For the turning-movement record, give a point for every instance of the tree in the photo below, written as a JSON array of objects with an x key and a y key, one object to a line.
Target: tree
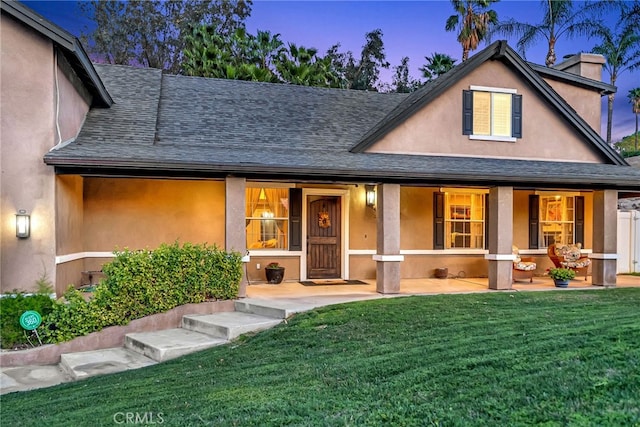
[
  {"x": 301, "y": 66},
  {"x": 243, "y": 56},
  {"x": 621, "y": 49},
  {"x": 151, "y": 33},
  {"x": 634, "y": 99},
  {"x": 437, "y": 64},
  {"x": 363, "y": 74},
  {"x": 237, "y": 56},
  {"x": 472, "y": 22},
  {"x": 401, "y": 81},
  {"x": 560, "y": 19}
]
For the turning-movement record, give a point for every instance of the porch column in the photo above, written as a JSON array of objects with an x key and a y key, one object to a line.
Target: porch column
[
  {"x": 500, "y": 237},
  {"x": 388, "y": 256},
  {"x": 234, "y": 235},
  {"x": 605, "y": 235}
]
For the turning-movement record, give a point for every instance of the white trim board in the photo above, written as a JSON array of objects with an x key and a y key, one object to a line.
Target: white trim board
[{"x": 61, "y": 259}]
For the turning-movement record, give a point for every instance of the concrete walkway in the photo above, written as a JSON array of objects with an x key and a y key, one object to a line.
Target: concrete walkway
[{"x": 266, "y": 306}]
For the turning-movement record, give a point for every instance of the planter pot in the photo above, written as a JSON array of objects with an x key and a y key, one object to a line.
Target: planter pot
[
  {"x": 442, "y": 273},
  {"x": 561, "y": 283},
  {"x": 274, "y": 275}
]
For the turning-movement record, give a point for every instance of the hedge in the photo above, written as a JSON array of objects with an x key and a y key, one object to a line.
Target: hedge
[{"x": 144, "y": 282}]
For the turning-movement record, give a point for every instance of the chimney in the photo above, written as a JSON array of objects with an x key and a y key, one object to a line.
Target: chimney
[{"x": 587, "y": 65}]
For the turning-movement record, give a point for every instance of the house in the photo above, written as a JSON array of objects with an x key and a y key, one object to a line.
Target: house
[{"x": 330, "y": 183}]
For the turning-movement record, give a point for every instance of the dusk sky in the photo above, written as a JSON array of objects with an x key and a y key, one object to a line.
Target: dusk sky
[{"x": 410, "y": 28}]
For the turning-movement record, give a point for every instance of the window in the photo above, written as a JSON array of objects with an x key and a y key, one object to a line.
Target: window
[
  {"x": 267, "y": 218},
  {"x": 557, "y": 219},
  {"x": 464, "y": 220},
  {"x": 492, "y": 113}
]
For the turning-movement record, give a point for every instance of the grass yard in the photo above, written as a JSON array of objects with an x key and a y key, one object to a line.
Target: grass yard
[{"x": 527, "y": 358}]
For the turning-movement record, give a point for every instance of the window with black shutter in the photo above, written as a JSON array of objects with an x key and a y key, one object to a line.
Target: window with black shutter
[{"x": 491, "y": 113}]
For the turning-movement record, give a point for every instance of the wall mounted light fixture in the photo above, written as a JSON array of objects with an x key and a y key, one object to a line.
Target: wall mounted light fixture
[
  {"x": 370, "y": 194},
  {"x": 23, "y": 224}
]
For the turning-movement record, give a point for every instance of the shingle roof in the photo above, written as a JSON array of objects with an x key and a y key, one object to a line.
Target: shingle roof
[{"x": 164, "y": 125}]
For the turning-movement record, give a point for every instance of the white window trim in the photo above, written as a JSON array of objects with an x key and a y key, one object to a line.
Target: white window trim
[
  {"x": 492, "y": 89},
  {"x": 470, "y": 191},
  {"x": 493, "y": 138}
]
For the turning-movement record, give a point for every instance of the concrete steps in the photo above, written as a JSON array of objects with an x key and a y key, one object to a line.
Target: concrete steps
[
  {"x": 198, "y": 332},
  {"x": 170, "y": 343},
  {"x": 98, "y": 362},
  {"x": 228, "y": 325}
]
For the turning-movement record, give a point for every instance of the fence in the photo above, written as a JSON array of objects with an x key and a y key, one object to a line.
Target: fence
[{"x": 628, "y": 241}]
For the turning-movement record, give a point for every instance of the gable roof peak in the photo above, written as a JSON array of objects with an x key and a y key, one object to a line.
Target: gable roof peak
[{"x": 498, "y": 50}]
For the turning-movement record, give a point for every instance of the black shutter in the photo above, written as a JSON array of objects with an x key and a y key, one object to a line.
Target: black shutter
[
  {"x": 486, "y": 221},
  {"x": 579, "y": 223},
  {"x": 295, "y": 219},
  {"x": 467, "y": 112},
  {"x": 534, "y": 220},
  {"x": 516, "y": 116},
  {"x": 438, "y": 220}
]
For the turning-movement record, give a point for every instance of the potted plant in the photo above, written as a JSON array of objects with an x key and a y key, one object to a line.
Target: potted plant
[
  {"x": 561, "y": 276},
  {"x": 274, "y": 273}
]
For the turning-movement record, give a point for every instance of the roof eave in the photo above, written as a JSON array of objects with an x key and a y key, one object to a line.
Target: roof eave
[
  {"x": 134, "y": 167},
  {"x": 574, "y": 79}
]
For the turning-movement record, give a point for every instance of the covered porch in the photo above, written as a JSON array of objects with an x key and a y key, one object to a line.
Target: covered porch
[{"x": 332, "y": 293}]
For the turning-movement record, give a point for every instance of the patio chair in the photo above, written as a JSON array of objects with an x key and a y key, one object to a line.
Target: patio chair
[
  {"x": 523, "y": 268},
  {"x": 569, "y": 256}
]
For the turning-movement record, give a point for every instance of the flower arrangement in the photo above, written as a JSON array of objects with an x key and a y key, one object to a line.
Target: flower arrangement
[
  {"x": 273, "y": 265},
  {"x": 562, "y": 273}
]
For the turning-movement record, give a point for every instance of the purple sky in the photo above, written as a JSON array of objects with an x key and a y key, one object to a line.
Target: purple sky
[{"x": 411, "y": 28}]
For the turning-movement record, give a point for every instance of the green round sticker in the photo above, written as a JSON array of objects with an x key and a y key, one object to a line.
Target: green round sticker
[{"x": 30, "y": 320}]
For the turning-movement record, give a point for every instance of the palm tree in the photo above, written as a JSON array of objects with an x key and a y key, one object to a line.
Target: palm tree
[
  {"x": 472, "y": 21},
  {"x": 621, "y": 49},
  {"x": 301, "y": 66},
  {"x": 634, "y": 98},
  {"x": 437, "y": 64},
  {"x": 561, "y": 18}
]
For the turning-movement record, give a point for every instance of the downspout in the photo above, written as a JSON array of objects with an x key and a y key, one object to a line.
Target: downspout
[{"x": 55, "y": 73}]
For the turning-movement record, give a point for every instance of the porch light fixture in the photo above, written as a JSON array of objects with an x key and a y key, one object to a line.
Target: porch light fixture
[
  {"x": 370, "y": 194},
  {"x": 23, "y": 224}
]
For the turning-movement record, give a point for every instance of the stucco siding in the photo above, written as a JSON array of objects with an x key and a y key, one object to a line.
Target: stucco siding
[
  {"x": 144, "y": 213},
  {"x": 69, "y": 214},
  {"x": 362, "y": 221},
  {"x": 416, "y": 218},
  {"x": 585, "y": 102},
  {"x": 71, "y": 104},
  {"x": 27, "y": 133},
  {"x": 437, "y": 128},
  {"x": 68, "y": 274}
]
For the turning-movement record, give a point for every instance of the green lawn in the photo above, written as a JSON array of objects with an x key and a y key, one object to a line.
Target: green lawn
[{"x": 543, "y": 358}]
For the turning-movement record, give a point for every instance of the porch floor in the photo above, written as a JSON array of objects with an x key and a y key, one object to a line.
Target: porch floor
[{"x": 427, "y": 286}]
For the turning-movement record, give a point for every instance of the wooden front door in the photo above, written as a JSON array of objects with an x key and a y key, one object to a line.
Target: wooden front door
[{"x": 323, "y": 237}]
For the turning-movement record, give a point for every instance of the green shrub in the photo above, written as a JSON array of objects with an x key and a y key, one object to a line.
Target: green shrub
[
  {"x": 144, "y": 282},
  {"x": 11, "y": 308},
  {"x": 630, "y": 153}
]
